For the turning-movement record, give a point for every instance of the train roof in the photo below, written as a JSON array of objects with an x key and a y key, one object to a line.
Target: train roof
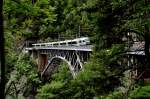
[
  {"x": 76, "y": 39},
  {"x": 81, "y": 38}
]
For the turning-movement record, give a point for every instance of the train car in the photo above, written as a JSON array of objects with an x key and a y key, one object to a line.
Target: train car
[
  {"x": 82, "y": 41},
  {"x": 75, "y": 42}
]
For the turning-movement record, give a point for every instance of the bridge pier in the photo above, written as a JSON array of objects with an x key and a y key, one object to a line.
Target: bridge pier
[
  {"x": 42, "y": 61},
  {"x": 34, "y": 54}
]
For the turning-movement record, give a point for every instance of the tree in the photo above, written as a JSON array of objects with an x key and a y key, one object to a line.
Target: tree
[
  {"x": 58, "y": 85},
  {"x": 27, "y": 19},
  {"x": 111, "y": 21},
  {"x": 2, "y": 53}
]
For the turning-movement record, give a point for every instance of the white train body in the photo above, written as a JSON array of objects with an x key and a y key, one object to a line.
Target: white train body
[{"x": 75, "y": 42}]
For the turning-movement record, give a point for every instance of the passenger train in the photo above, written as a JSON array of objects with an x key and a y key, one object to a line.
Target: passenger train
[{"x": 75, "y": 42}]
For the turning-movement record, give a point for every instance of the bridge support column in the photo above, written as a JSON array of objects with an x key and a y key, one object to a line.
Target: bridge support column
[
  {"x": 42, "y": 61},
  {"x": 34, "y": 54}
]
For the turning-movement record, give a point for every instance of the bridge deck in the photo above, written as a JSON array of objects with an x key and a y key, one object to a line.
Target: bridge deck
[
  {"x": 75, "y": 48},
  {"x": 137, "y": 48}
]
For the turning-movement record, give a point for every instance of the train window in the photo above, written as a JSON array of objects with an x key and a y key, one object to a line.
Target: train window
[
  {"x": 62, "y": 43},
  {"x": 69, "y": 42},
  {"x": 73, "y": 42},
  {"x": 55, "y": 44}
]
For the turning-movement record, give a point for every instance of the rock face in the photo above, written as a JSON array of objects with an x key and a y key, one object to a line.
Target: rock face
[{"x": 15, "y": 86}]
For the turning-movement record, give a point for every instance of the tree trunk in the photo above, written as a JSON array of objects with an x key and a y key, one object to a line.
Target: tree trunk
[
  {"x": 2, "y": 54},
  {"x": 147, "y": 44}
]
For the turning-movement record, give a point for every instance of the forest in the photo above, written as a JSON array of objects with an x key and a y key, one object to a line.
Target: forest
[{"x": 112, "y": 26}]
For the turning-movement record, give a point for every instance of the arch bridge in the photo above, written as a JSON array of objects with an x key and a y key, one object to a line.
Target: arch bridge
[{"x": 49, "y": 58}]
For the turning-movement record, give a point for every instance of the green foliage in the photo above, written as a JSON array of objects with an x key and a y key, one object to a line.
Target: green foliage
[
  {"x": 27, "y": 19},
  {"x": 114, "y": 95},
  {"x": 108, "y": 22},
  {"x": 142, "y": 92},
  {"x": 24, "y": 75},
  {"x": 58, "y": 87},
  {"x": 98, "y": 78},
  {"x": 63, "y": 74},
  {"x": 50, "y": 91},
  {"x": 25, "y": 67}
]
